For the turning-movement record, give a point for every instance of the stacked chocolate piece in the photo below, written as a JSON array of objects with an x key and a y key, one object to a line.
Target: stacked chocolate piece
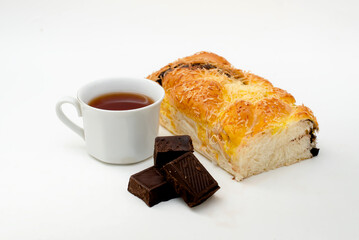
[{"x": 176, "y": 172}]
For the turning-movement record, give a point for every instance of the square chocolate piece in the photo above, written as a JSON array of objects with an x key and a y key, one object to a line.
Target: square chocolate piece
[
  {"x": 190, "y": 179},
  {"x": 151, "y": 186},
  {"x": 169, "y": 148}
]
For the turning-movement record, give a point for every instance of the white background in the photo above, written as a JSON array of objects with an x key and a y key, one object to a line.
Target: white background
[{"x": 51, "y": 189}]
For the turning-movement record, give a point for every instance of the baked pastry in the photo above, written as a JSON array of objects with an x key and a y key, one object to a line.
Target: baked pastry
[{"x": 237, "y": 119}]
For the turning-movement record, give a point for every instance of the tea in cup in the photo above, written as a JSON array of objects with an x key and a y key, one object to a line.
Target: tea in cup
[{"x": 120, "y": 118}]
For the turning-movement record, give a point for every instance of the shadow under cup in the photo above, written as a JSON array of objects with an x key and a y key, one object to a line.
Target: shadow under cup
[{"x": 121, "y": 136}]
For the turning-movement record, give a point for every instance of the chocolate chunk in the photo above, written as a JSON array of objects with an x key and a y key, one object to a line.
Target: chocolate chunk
[
  {"x": 190, "y": 179},
  {"x": 314, "y": 151},
  {"x": 171, "y": 147},
  {"x": 150, "y": 186}
]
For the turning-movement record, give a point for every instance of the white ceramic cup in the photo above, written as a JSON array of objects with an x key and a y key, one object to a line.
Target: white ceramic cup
[{"x": 118, "y": 137}]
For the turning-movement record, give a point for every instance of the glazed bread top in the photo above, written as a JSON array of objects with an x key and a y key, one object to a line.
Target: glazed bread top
[{"x": 206, "y": 88}]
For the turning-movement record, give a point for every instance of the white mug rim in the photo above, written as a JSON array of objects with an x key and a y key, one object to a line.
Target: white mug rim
[{"x": 155, "y": 103}]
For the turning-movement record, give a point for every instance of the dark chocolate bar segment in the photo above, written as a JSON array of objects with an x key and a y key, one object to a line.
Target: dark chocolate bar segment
[
  {"x": 190, "y": 179},
  {"x": 169, "y": 148},
  {"x": 150, "y": 186}
]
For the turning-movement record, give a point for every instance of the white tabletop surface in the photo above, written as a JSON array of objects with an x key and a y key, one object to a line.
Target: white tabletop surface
[{"x": 50, "y": 188}]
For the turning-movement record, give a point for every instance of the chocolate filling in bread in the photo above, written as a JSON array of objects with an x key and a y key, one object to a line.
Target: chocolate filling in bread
[
  {"x": 314, "y": 151},
  {"x": 193, "y": 66}
]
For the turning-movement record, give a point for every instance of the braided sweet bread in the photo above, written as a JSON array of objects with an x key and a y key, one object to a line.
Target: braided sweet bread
[{"x": 235, "y": 118}]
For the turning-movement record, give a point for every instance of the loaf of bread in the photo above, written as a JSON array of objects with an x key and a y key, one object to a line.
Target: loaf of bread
[{"x": 238, "y": 120}]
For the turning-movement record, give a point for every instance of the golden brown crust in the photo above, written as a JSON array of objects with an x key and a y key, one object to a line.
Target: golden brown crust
[
  {"x": 253, "y": 79},
  {"x": 201, "y": 99},
  {"x": 270, "y": 112},
  {"x": 204, "y": 91},
  {"x": 236, "y": 120},
  {"x": 302, "y": 112},
  {"x": 282, "y": 95},
  {"x": 205, "y": 57}
]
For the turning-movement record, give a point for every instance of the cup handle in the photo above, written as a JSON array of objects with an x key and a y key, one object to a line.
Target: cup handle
[{"x": 65, "y": 119}]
